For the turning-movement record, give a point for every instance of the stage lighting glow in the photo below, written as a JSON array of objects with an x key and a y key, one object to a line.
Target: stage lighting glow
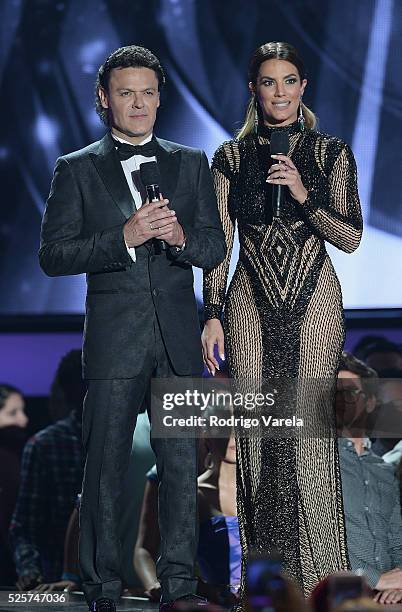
[
  {"x": 46, "y": 130},
  {"x": 92, "y": 51}
]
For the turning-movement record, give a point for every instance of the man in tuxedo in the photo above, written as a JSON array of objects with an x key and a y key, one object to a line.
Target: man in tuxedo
[{"x": 141, "y": 315}]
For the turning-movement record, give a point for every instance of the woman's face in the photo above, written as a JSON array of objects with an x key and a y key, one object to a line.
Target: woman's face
[
  {"x": 278, "y": 90},
  {"x": 12, "y": 413}
]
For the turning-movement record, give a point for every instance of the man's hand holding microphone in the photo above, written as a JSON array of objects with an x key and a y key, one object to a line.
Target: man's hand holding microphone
[{"x": 153, "y": 220}]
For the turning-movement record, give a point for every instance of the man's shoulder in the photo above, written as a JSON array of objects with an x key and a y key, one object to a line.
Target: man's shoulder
[
  {"x": 92, "y": 149},
  {"x": 171, "y": 147},
  {"x": 52, "y": 434}
]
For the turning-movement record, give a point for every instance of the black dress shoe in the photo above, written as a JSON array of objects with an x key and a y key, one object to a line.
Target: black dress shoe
[
  {"x": 103, "y": 604},
  {"x": 192, "y": 601}
]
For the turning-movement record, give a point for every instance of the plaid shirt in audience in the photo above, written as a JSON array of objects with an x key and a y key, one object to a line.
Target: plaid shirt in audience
[
  {"x": 51, "y": 476},
  {"x": 372, "y": 511}
]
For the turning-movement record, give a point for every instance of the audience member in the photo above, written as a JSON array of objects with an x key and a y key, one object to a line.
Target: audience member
[
  {"x": 141, "y": 455},
  {"x": 290, "y": 600},
  {"x": 379, "y": 353},
  {"x": 51, "y": 477},
  {"x": 362, "y": 604},
  {"x": 13, "y": 422},
  {"x": 370, "y": 495},
  {"x": 356, "y": 408},
  {"x": 388, "y": 425},
  {"x": 339, "y": 589}
]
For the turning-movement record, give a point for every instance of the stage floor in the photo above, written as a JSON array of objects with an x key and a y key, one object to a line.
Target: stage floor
[{"x": 75, "y": 602}]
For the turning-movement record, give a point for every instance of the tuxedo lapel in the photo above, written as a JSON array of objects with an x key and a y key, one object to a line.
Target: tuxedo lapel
[
  {"x": 109, "y": 168},
  {"x": 168, "y": 159}
]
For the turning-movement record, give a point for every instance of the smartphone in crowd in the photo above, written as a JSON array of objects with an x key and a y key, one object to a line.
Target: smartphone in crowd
[
  {"x": 265, "y": 585},
  {"x": 343, "y": 587}
]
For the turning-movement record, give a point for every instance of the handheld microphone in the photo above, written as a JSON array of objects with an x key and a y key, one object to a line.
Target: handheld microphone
[
  {"x": 150, "y": 178},
  {"x": 279, "y": 145}
]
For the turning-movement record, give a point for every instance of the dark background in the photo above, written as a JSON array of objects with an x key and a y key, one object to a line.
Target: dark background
[{"x": 49, "y": 55}]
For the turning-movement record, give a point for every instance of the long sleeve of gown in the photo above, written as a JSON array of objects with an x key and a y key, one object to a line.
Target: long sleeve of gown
[
  {"x": 215, "y": 279},
  {"x": 332, "y": 206}
]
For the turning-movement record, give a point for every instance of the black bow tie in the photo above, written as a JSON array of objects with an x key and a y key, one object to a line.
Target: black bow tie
[{"x": 125, "y": 150}]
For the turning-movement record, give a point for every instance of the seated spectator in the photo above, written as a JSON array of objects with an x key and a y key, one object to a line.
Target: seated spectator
[
  {"x": 370, "y": 496},
  {"x": 274, "y": 593},
  {"x": 363, "y": 604},
  {"x": 338, "y": 590},
  {"x": 51, "y": 477},
  {"x": 388, "y": 425},
  {"x": 379, "y": 353},
  {"x": 219, "y": 553},
  {"x": 356, "y": 409},
  {"x": 13, "y": 422},
  {"x": 219, "y": 550},
  {"x": 141, "y": 455},
  {"x": 70, "y": 579}
]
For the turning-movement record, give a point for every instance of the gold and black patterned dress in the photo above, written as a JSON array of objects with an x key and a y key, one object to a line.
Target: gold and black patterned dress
[{"x": 283, "y": 317}]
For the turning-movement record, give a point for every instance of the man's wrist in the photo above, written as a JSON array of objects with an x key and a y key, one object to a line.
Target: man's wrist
[{"x": 182, "y": 245}]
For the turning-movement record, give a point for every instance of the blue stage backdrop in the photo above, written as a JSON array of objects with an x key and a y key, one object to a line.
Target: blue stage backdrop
[{"x": 49, "y": 54}]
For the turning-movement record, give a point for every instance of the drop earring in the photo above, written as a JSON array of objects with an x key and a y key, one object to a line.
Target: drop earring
[
  {"x": 256, "y": 119},
  {"x": 209, "y": 463},
  {"x": 300, "y": 118}
]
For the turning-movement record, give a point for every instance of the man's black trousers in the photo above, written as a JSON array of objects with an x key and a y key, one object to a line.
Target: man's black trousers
[{"x": 110, "y": 413}]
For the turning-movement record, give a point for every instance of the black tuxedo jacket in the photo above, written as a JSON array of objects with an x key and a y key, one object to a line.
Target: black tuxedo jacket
[{"x": 82, "y": 232}]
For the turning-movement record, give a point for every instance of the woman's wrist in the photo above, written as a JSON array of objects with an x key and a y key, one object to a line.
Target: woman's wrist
[{"x": 302, "y": 196}]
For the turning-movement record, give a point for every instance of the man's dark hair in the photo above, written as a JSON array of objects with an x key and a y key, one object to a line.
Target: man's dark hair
[
  {"x": 390, "y": 373},
  {"x": 368, "y": 376},
  {"x": 68, "y": 387},
  {"x": 125, "y": 57},
  {"x": 375, "y": 344}
]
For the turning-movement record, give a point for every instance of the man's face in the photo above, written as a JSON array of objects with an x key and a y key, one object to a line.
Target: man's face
[
  {"x": 132, "y": 100},
  {"x": 350, "y": 404}
]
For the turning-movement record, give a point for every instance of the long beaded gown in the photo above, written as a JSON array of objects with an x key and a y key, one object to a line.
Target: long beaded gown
[{"x": 283, "y": 317}]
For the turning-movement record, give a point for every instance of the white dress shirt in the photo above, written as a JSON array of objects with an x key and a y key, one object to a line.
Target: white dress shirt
[{"x": 131, "y": 168}]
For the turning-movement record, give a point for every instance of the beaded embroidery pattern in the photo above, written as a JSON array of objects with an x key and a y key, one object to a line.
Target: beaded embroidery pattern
[{"x": 283, "y": 317}]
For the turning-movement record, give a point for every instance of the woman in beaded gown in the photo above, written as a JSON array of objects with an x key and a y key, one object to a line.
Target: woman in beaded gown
[{"x": 283, "y": 313}]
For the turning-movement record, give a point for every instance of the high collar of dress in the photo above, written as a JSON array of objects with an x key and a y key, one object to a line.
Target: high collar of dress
[{"x": 265, "y": 131}]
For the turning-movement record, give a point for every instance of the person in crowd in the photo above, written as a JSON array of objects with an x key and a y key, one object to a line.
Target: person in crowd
[
  {"x": 51, "y": 476},
  {"x": 141, "y": 316},
  {"x": 361, "y": 604},
  {"x": 70, "y": 579},
  {"x": 282, "y": 595},
  {"x": 356, "y": 412},
  {"x": 370, "y": 493},
  {"x": 379, "y": 353},
  {"x": 342, "y": 591},
  {"x": 388, "y": 425},
  {"x": 283, "y": 310},
  {"x": 13, "y": 423},
  {"x": 141, "y": 455},
  {"x": 219, "y": 552}
]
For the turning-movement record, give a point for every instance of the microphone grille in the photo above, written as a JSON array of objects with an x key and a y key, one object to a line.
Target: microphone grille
[
  {"x": 279, "y": 142},
  {"x": 149, "y": 173}
]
